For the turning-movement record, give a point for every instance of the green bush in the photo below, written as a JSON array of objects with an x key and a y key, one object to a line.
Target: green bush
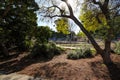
[
  {"x": 46, "y": 50},
  {"x": 80, "y": 53},
  {"x": 117, "y": 48},
  {"x": 73, "y": 55},
  {"x": 42, "y": 34},
  {"x": 88, "y": 53}
]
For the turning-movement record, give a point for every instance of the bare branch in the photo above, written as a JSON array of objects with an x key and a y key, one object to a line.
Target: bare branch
[
  {"x": 55, "y": 6},
  {"x": 66, "y": 16},
  {"x": 98, "y": 3},
  {"x": 69, "y": 7},
  {"x": 106, "y": 2},
  {"x": 117, "y": 6},
  {"x": 117, "y": 14},
  {"x": 95, "y": 2}
]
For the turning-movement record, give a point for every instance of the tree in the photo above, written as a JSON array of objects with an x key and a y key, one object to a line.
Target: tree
[
  {"x": 92, "y": 21},
  {"x": 43, "y": 33},
  {"x": 103, "y": 5},
  {"x": 105, "y": 13},
  {"x": 62, "y": 26},
  {"x": 95, "y": 22},
  {"x": 18, "y": 22}
]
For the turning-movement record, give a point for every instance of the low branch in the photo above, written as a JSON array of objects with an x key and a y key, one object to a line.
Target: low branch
[
  {"x": 106, "y": 2},
  {"x": 66, "y": 16},
  {"x": 95, "y": 2},
  {"x": 55, "y": 6},
  {"x": 117, "y": 14},
  {"x": 117, "y": 6},
  {"x": 69, "y": 7},
  {"x": 98, "y": 3}
]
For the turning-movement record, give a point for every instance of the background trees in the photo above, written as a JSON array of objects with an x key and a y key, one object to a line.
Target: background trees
[{"x": 62, "y": 25}]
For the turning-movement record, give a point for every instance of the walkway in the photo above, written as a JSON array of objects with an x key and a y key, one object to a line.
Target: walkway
[{"x": 15, "y": 76}]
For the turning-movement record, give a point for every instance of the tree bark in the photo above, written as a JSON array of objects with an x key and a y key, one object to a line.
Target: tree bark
[{"x": 107, "y": 51}]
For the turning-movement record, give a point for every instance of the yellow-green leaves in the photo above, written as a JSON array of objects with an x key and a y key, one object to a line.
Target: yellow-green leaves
[
  {"x": 62, "y": 26},
  {"x": 92, "y": 21}
]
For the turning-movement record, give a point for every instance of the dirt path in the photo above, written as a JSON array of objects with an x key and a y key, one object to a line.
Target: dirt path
[
  {"x": 61, "y": 68},
  {"x": 14, "y": 76}
]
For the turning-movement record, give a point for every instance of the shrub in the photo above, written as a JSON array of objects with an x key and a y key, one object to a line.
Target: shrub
[
  {"x": 117, "y": 48},
  {"x": 46, "y": 50},
  {"x": 73, "y": 55},
  {"x": 80, "y": 53},
  {"x": 39, "y": 34},
  {"x": 88, "y": 53}
]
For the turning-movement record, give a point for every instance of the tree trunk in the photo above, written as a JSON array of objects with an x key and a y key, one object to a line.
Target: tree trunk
[
  {"x": 4, "y": 50},
  {"x": 105, "y": 54},
  {"x": 95, "y": 45},
  {"x": 107, "y": 51}
]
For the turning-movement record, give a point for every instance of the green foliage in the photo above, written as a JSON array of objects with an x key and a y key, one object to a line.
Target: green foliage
[
  {"x": 43, "y": 33},
  {"x": 81, "y": 34},
  {"x": 116, "y": 26},
  {"x": 91, "y": 21},
  {"x": 80, "y": 53},
  {"x": 117, "y": 49},
  {"x": 96, "y": 22},
  {"x": 73, "y": 56},
  {"x": 62, "y": 26},
  {"x": 46, "y": 50},
  {"x": 17, "y": 21}
]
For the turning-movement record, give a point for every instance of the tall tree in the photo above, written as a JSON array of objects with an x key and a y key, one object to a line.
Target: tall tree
[
  {"x": 42, "y": 34},
  {"x": 62, "y": 25},
  {"x": 18, "y": 20},
  {"x": 103, "y": 5}
]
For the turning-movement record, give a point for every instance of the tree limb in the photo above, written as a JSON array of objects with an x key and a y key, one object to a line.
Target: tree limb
[
  {"x": 106, "y": 2},
  {"x": 117, "y": 6},
  {"x": 117, "y": 14},
  {"x": 54, "y": 6},
  {"x": 66, "y": 16},
  {"x": 95, "y": 2},
  {"x": 69, "y": 7}
]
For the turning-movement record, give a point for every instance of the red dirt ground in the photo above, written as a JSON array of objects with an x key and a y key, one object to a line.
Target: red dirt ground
[{"x": 61, "y": 68}]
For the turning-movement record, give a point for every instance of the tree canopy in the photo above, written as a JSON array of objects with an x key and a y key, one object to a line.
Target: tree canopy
[
  {"x": 94, "y": 19},
  {"x": 42, "y": 34},
  {"x": 62, "y": 25},
  {"x": 18, "y": 21}
]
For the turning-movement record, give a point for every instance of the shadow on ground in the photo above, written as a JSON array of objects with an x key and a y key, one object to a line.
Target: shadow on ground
[
  {"x": 17, "y": 62},
  {"x": 114, "y": 71},
  {"x": 107, "y": 72}
]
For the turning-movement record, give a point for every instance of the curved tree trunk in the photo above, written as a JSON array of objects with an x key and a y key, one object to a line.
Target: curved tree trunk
[
  {"x": 105, "y": 54},
  {"x": 94, "y": 43}
]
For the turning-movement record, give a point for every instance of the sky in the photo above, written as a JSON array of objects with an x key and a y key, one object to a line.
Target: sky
[{"x": 62, "y": 5}]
